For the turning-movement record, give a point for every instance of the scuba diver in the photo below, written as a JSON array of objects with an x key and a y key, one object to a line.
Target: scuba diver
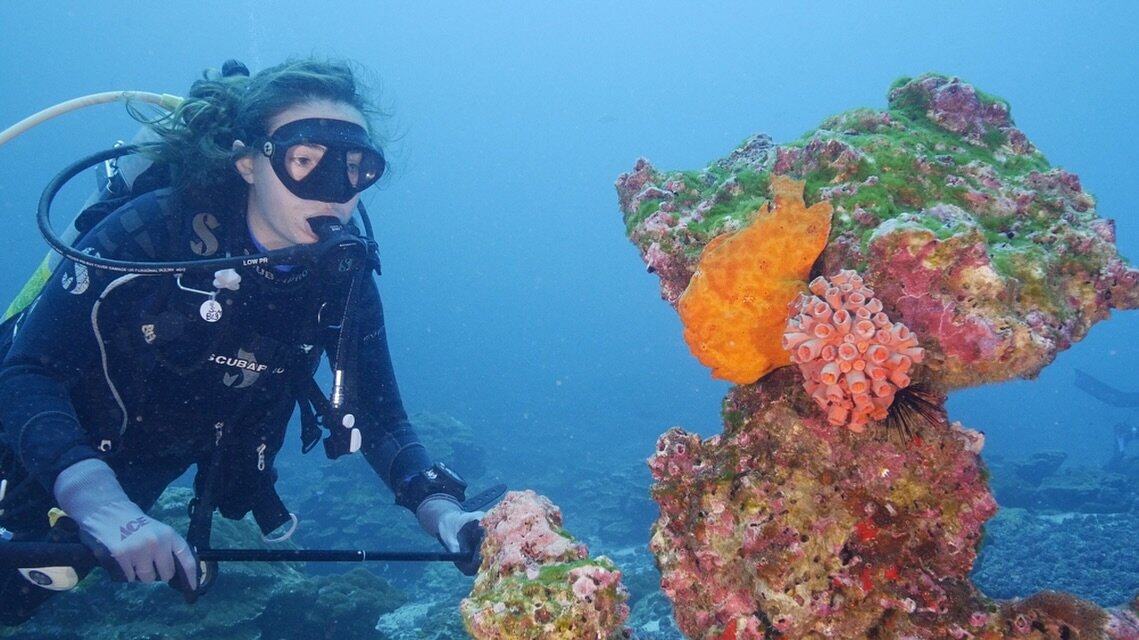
[
  {"x": 1122, "y": 459},
  {"x": 130, "y": 364},
  {"x": 1122, "y": 433},
  {"x": 1125, "y": 434}
]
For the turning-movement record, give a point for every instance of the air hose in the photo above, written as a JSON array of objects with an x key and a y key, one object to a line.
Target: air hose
[{"x": 163, "y": 100}]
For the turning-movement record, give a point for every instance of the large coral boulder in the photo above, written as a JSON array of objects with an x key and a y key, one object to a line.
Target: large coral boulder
[{"x": 791, "y": 525}]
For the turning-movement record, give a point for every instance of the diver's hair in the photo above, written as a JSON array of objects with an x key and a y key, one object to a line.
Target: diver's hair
[{"x": 196, "y": 139}]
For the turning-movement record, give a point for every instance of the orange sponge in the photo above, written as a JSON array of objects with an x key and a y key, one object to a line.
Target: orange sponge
[{"x": 735, "y": 307}]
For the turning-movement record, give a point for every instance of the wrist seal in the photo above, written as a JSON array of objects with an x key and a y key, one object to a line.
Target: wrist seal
[{"x": 438, "y": 478}]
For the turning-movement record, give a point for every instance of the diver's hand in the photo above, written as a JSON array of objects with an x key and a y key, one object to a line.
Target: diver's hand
[
  {"x": 128, "y": 543},
  {"x": 459, "y": 531},
  {"x": 142, "y": 548}
]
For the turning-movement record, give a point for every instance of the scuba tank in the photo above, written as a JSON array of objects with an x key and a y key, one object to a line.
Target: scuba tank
[
  {"x": 119, "y": 177},
  {"x": 115, "y": 180}
]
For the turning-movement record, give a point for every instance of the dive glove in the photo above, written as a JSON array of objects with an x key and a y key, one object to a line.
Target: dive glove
[
  {"x": 459, "y": 531},
  {"x": 128, "y": 543}
]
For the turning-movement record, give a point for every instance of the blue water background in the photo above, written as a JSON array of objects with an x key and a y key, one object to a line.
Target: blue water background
[{"x": 514, "y": 301}]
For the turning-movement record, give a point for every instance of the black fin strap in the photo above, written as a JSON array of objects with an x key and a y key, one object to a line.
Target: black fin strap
[
  {"x": 202, "y": 506},
  {"x": 312, "y": 405},
  {"x": 269, "y": 512}
]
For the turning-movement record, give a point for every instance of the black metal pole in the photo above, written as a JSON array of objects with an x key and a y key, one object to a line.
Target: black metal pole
[
  {"x": 24, "y": 555},
  {"x": 16, "y": 555},
  {"x": 328, "y": 555}
]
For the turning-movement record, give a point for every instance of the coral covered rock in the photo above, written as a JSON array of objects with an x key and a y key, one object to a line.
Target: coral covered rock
[
  {"x": 784, "y": 526},
  {"x": 996, "y": 260},
  {"x": 537, "y": 582},
  {"x": 735, "y": 306}
]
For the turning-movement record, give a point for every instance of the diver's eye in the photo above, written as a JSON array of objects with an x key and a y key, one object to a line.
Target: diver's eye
[
  {"x": 301, "y": 159},
  {"x": 354, "y": 159}
]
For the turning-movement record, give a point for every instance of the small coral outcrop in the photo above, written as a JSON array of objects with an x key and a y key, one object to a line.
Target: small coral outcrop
[{"x": 537, "y": 582}]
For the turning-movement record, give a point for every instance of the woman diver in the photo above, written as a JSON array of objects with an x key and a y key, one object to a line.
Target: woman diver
[{"x": 115, "y": 381}]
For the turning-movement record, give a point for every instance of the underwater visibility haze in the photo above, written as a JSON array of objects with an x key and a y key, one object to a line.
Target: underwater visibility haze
[{"x": 532, "y": 344}]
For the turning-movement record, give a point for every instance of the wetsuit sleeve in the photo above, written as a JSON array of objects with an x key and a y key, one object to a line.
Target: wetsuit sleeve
[
  {"x": 389, "y": 441},
  {"x": 55, "y": 352}
]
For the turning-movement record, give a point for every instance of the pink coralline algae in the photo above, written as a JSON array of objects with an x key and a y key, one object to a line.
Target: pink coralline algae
[
  {"x": 853, "y": 359},
  {"x": 537, "y": 582},
  {"x": 784, "y": 526},
  {"x": 955, "y": 106}
]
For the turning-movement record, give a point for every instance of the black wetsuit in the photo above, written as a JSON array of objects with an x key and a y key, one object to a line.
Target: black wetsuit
[{"x": 124, "y": 367}]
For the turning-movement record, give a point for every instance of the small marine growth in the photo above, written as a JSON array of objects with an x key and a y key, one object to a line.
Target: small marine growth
[{"x": 537, "y": 582}]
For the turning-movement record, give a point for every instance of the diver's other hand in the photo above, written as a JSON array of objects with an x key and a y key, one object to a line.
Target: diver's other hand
[
  {"x": 459, "y": 531},
  {"x": 128, "y": 543}
]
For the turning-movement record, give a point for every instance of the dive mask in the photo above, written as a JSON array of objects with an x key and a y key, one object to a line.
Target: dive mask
[{"x": 323, "y": 159}]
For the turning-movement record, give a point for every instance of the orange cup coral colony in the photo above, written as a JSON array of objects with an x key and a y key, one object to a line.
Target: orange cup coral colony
[
  {"x": 854, "y": 359},
  {"x": 735, "y": 306}
]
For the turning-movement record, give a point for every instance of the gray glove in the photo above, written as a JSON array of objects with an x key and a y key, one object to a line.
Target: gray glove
[
  {"x": 142, "y": 548},
  {"x": 459, "y": 531}
]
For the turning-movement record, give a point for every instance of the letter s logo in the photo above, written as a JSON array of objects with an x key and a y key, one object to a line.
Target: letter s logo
[{"x": 207, "y": 242}]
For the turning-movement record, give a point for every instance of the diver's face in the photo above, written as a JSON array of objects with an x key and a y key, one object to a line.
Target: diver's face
[{"x": 278, "y": 218}]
